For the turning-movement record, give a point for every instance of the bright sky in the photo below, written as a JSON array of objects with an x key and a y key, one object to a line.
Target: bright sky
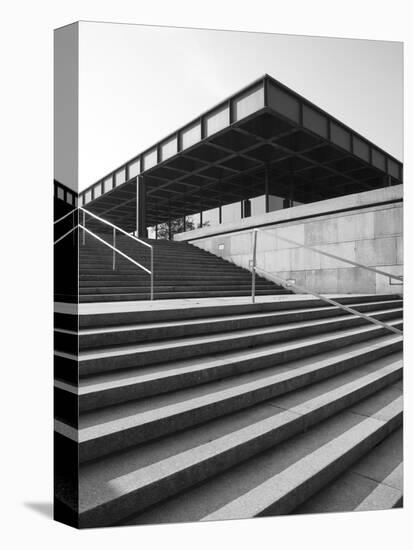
[{"x": 139, "y": 83}]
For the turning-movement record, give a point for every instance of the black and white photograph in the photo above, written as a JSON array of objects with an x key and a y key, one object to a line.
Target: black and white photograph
[
  {"x": 228, "y": 295},
  {"x": 205, "y": 276}
]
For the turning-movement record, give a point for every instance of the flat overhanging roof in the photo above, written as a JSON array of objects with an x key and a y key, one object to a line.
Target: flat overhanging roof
[{"x": 265, "y": 131}]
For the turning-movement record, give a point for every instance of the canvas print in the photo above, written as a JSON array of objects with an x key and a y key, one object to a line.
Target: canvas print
[{"x": 228, "y": 252}]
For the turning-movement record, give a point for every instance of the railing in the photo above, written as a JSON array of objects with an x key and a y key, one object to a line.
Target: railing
[
  {"x": 290, "y": 284},
  {"x": 73, "y": 228},
  {"x": 106, "y": 243},
  {"x": 65, "y": 216}
]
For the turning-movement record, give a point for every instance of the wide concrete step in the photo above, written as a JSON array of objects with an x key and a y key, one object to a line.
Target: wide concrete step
[
  {"x": 162, "y": 268},
  {"x": 216, "y": 281},
  {"x": 192, "y": 255},
  {"x": 140, "y": 275},
  {"x": 373, "y": 483},
  {"x": 139, "y": 355},
  {"x": 115, "y": 277},
  {"x": 194, "y": 311},
  {"x": 193, "y": 284},
  {"x": 120, "y": 297},
  {"x": 136, "y": 274},
  {"x": 132, "y": 246},
  {"x": 118, "y": 427},
  {"x": 118, "y": 335},
  {"x": 113, "y": 388},
  {"x": 92, "y": 245},
  {"x": 177, "y": 267},
  {"x": 178, "y": 287},
  {"x": 159, "y": 258},
  {"x": 145, "y": 476},
  {"x": 278, "y": 480}
]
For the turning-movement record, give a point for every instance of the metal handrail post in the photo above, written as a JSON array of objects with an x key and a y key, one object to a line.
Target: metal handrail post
[
  {"x": 151, "y": 273},
  {"x": 116, "y": 250},
  {"x": 115, "y": 226},
  {"x": 254, "y": 263},
  {"x": 114, "y": 247}
]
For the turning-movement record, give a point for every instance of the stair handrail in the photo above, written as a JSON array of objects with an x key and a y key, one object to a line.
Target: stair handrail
[
  {"x": 66, "y": 234},
  {"x": 113, "y": 227},
  {"x": 65, "y": 215},
  {"x": 289, "y": 285},
  {"x": 116, "y": 250},
  {"x": 63, "y": 218},
  {"x": 113, "y": 247}
]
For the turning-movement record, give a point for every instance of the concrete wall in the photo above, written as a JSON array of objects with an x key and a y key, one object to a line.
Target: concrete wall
[{"x": 370, "y": 234}]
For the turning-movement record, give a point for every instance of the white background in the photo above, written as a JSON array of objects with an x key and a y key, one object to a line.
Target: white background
[{"x": 26, "y": 270}]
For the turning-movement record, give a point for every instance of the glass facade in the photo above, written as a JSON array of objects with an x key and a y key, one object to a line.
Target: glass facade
[
  {"x": 228, "y": 213},
  {"x": 152, "y": 232},
  {"x": 275, "y": 203},
  {"x": 210, "y": 217},
  {"x": 193, "y": 221},
  {"x": 231, "y": 212}
]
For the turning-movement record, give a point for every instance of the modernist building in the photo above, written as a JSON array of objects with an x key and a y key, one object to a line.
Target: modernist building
[{"x": 263, "y": 149}]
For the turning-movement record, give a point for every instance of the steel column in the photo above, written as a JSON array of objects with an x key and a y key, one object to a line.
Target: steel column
[
  {"x": 114, "y": 253},
  {"x": 141, "y": 206},
  {"x": 267, "y": 190},
  {"x": 254, "y": 263}
]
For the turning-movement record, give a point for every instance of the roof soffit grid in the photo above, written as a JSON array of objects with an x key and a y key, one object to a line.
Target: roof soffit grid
[
  {"x": 316, "y": 144},
  {"x": 333, "y": 128}
]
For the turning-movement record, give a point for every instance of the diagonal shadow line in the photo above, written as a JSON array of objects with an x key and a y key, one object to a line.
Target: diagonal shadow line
[{"x": 43, "y": 508}]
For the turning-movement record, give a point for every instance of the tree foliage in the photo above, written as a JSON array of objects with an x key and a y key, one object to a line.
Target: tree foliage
[{"x": 177, "y": 226}]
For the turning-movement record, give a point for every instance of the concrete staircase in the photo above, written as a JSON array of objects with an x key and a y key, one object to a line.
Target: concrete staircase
[
  {"x": 181, "y": 271},
  {"x": 229, "y": 411}
]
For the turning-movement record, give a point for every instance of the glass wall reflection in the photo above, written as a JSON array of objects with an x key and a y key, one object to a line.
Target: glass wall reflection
[
  {"x": 230, "y": 213},
  {"x": 210, "y": 218}
]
